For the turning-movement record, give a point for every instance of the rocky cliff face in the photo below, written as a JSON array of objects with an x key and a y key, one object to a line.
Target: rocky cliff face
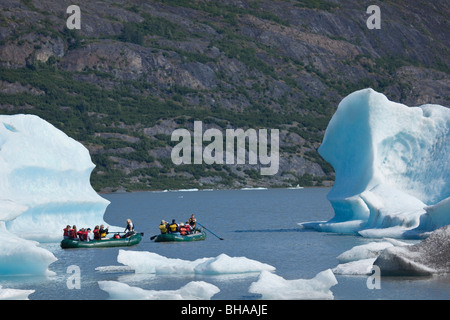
[{"x": 138, "y": 70}]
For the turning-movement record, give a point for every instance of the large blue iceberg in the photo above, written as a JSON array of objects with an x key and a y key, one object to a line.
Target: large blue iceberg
[
  {"x": 44, "y": 185},
  {"x": 392, "y": 165}
]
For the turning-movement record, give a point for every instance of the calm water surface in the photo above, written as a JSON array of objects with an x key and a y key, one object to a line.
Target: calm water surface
[{"x": 257, "y": 224}]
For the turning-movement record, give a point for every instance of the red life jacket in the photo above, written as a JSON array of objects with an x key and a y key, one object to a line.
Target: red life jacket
[
  {"x": 72, "y": 234},
  {"x": 96, "y": 234},
  {"x": 83, "y": 235},
  {"x": 66, "y": 232},
  {"x": 182, "y": 230}
]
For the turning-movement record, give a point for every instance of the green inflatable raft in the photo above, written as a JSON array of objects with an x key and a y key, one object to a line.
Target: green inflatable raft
[
  {"x": 176, "y": 237},
  {"x": 104, "y": 243}
]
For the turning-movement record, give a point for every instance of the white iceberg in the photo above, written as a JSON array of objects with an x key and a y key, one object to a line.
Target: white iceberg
[
  {"x": 14, "y": 294},
  {"x": 44, "y": 180},
  {"x": 392, "y": 167},
  {"x": 145, "y": 262},
  {"x": 194, "y": 290},
  {"x": 44, "y": 186},
  {"x": 357, "y": 267},
  {"x": 364, "y": 251},
  {"x": 274, "y": 287}
]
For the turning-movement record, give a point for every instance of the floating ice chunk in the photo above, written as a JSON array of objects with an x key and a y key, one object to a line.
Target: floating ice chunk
[
  {"x": 357, "y": 267},
  {"x": 224, "y": 264},
  {"x": 365, "y": 251},
  {"x": 272, "y": 287},
  {"x": 391, "y": 164},
  {"x": 194, "y": 290},
  {"x": 14, "y": 294},
  {"x": 149, "y": 262}
]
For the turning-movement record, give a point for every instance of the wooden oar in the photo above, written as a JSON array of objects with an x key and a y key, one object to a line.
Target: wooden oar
[{"x": 210, "y": 231}]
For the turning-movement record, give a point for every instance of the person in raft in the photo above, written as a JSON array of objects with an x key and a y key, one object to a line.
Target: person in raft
[
  {"x": 103, "y": 232},
  {"x": 129, "y": 229},
  {"x": 192, "y": 221},
  {"x": 173, "y": 227},
  {"x": 164, "y": 227},
  {"x": 72, "y": 234},
  {"x": 67, "y": 232},
  {"x": 82, "y": 234},
  {"x": 183, "y": 229},
  {"x": 96, "y": 233},
  {"x": 90, "y": 237}
]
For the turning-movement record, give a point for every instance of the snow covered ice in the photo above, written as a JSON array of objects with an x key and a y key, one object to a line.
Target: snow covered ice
[
  {"x": 149, "y": 262},
  {"x": 274, "y": 287},
  {"x": 392, "y": 167},
  {"x": 194, "y": 290},
  {"x": 14, "y": 294},
  {"x": 44, "y": 185},
  {"x": 269, "y": 285}
]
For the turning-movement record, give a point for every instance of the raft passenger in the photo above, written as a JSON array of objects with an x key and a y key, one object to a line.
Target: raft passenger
[
  {"x": 164, "y": 227},
  {"x": 97, "y": 233},
  {"x": 67, "y": 232},
  {"x": 73, "y": 232},
  {"x": 129, "y": 229},
  {"x": 103, "y": 232},
  {"x": 173, "y": 227},
  {"x": 192, "y": 221},
  {"x": 182, "y": 229}
]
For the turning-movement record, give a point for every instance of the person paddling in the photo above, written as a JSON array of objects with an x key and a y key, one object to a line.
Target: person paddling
[
  {"x": 192, "y": 221},
  {"x": 129, "y": 229}
]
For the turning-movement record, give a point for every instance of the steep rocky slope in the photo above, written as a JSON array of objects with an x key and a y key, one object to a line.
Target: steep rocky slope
[{"x": 138, "y": 70}]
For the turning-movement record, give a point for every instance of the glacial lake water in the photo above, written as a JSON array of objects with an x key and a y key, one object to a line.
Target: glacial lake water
[{"x": 256, "y": 224}]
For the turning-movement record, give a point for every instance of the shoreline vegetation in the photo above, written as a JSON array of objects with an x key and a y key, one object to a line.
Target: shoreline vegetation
[
  {"x": 213, "y": 189},
  {"x": 137, "y": 71}
]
